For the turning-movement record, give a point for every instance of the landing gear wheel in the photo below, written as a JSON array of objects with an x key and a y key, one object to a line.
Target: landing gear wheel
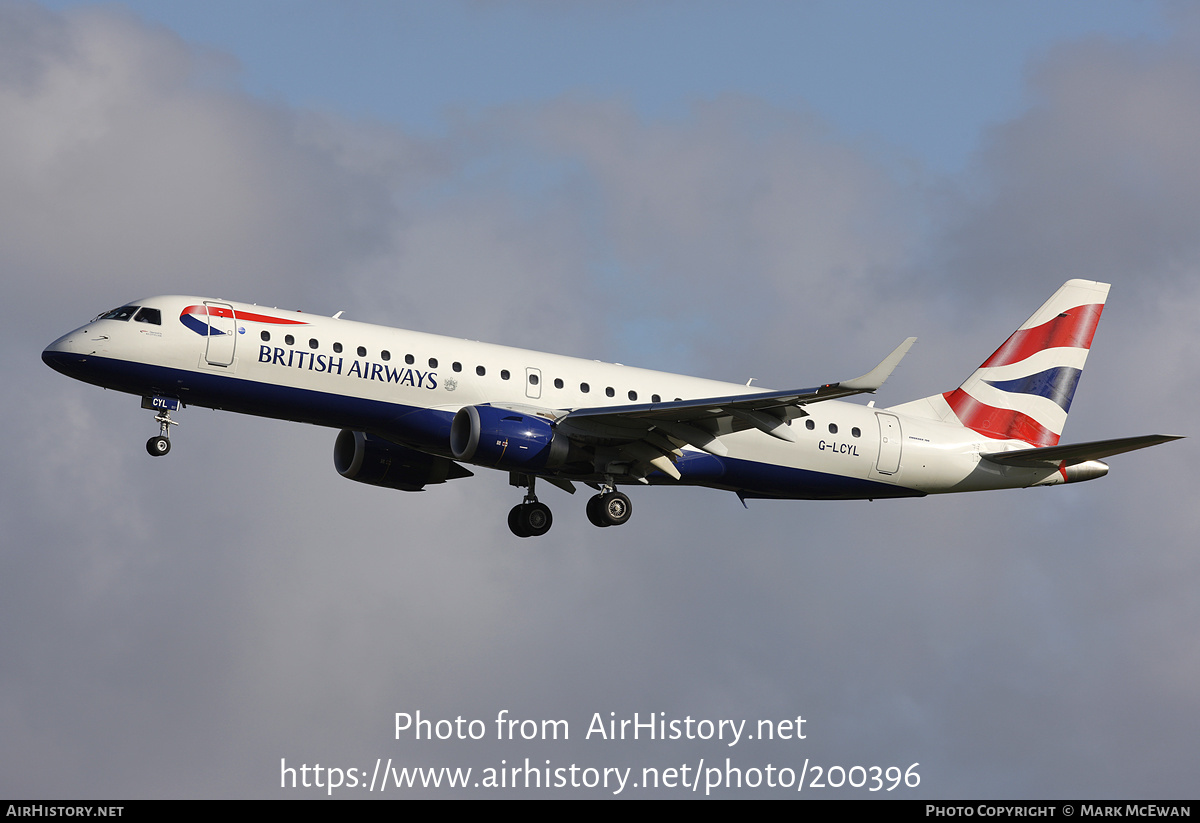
[
  {"x": 616, "y": 508},
  {"x": 530, "y": 519},
  {"x": 537, "y": 518},
  {"x": 594, "y": 516},
  {"x": 515, "y": 521},
  {"x": 158, "y": 446},
  {"x": 610, "y": 509}
]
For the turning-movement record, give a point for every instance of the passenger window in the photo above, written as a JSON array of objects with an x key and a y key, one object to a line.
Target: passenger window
[
  {"x": 385, "y": 355},
  {"x": 266, "y": 336},
  {"x": 312, "y": 343},
  {"x": 633, "y": 395},
  {"x": 480, "y": 370},
  {"x": 409, "y": 359},
  {"x": 654, "y": 398},
  {"x": 504, "y": 374},
  {"x": 609, "y": 391},
  {"x": 856, "y": 431},
  {"x": 337, "y": 347},
  {"x": 456, "y": 366},
  {"x": 362, "y": 351},
  {"x": 833, "y": 428},
  {"x": 558, "y": 383},
  {"x": 533, "y": 379},
  {"x": 151, "y": 316},
  {"x": 289, "y": 340},
  {"x": 433, "y": 362},
  {"x": 585, "y": 388},
  {"x": 810, "y": 425}
]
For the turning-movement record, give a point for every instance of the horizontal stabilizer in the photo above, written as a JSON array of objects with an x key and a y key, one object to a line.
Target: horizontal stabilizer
[{"x": 1056, "y": 456}]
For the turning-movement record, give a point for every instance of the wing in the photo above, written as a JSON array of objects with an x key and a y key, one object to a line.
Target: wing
[{"x": 648, "y": 435}]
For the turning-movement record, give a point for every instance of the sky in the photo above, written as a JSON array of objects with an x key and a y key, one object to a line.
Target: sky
[{"x": 779, "y": 191}]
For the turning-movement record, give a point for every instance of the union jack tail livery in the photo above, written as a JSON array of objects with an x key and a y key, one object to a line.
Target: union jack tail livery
[{"x": 1024, "y": 390}]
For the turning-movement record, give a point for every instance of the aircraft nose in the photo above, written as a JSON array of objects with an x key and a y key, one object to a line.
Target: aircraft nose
[
  {"x": 57, "y": 359},
  {"x": 64, "y": 356}
]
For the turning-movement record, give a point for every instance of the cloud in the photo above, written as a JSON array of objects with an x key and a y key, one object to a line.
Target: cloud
[
  {"x": 737, "y": 214},
  {"x": 124, "y": 168},
  {"x": 1098, "y": 179}
]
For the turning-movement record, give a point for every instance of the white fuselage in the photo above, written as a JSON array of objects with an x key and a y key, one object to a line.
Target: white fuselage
[{"x": 406, "y": 387}]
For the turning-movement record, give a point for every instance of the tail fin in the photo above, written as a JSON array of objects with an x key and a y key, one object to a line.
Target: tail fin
[{"x": 1024, "y": 390}]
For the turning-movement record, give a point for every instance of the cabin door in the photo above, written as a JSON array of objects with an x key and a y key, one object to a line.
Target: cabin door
[
  {"x": 889, "y": 443},
  {"x": 222, "y": 333}
]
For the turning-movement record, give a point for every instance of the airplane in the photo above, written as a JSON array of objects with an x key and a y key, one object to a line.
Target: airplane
[{"x": 413, "y": 408}]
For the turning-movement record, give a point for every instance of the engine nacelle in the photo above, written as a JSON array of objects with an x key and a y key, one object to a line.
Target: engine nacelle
[
  {"x": 365, "y": 458},
  {"x": 501, "y": 438}
]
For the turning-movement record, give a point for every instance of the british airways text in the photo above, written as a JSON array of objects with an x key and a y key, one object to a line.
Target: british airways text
[{"x": 356, "y": 368}]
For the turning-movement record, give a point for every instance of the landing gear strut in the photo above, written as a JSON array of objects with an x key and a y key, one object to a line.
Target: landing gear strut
[
  {"x": 609, "y": 508},
  {"x": 158, "y": 446},
  {"x": 530, "y": 518}
]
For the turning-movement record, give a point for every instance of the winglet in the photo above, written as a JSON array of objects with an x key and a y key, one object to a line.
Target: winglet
[{"x": 875, "y": 378}]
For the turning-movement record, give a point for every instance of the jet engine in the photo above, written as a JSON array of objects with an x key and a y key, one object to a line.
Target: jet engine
[
  {"x": 365, "y": 458},
  {"x": 502, "y": 438}
]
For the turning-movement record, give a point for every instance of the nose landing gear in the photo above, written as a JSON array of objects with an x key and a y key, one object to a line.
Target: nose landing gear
[{"x": 158, "y": 446}]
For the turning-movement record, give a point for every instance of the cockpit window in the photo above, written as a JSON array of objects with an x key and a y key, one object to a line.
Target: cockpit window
[
  {"x": 149, "y": 315},
  {"x": 123, "y": 313}
]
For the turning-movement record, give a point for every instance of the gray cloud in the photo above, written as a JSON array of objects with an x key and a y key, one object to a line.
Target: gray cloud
[
  {"x": 118, "y": 160},
  {"x": 1099, "y": 178}
]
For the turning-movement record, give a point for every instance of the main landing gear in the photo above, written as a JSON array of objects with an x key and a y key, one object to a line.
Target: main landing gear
[
  {"x": 533, "y": 519},
  {"x": 609, "y": 508},
  {"x": 530, "y": 518}
]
